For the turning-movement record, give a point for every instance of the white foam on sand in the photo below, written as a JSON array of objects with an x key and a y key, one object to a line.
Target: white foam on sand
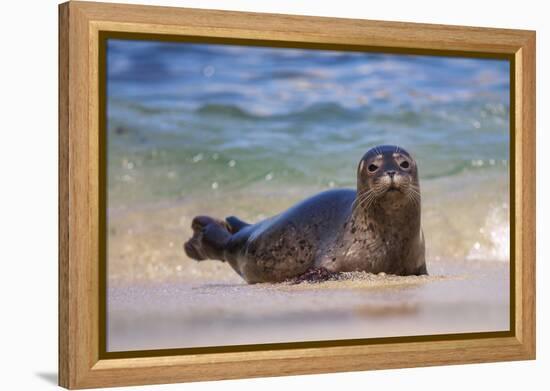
[{"x": 494, "y": 243}]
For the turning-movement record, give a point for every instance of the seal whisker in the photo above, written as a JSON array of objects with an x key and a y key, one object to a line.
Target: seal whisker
[
  {"x": 413, "y": 195},
  {"x": 358, "y": 199},
  {"x": 414, "y": 192},
  {"x": 410, "y": 198},
  {"x": 371, "y": 196},
  {"x": 364, "y": 198},
  {"x": 370, "y": 200},
  {"x": 413, "y": 198}
]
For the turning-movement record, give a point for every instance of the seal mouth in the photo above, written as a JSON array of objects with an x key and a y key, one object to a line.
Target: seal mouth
[{"x": 393, "y": 188}]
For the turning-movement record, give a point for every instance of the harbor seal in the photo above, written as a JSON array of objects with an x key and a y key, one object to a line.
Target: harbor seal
[{"x": 375, "y": 228}]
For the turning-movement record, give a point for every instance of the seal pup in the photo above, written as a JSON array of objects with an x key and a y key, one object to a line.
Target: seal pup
[{"x": 375, "y": 228}]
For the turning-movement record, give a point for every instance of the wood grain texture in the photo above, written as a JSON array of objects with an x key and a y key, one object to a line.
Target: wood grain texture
[
  {"x": 79, "y": 27},
  {"x": 78, "y": 303},
  {"x": 64, "y": 368},
  {"x": 212, "y": 23},
  {"x": 525, "y": 122}
]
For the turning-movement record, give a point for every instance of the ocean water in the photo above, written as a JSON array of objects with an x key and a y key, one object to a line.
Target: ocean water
[{"x": 247, "y": 131}]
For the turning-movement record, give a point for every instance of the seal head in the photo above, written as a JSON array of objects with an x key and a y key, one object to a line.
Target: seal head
[{"x": 387, "y": 175}]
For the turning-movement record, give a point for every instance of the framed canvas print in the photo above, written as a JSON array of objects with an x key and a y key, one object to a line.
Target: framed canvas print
[{"x": 251, "y": 195}]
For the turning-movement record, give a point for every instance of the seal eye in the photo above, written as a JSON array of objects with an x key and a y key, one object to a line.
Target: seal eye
[
  {"x": 405, "y": 164},
  {"x": 372, "y": 167}
]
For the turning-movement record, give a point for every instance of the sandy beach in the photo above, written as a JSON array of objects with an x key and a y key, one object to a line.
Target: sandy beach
[{"x": 171, "y": 315}]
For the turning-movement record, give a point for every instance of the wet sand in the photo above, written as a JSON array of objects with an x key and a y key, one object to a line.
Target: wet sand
[{"x": 172, "y": 315}]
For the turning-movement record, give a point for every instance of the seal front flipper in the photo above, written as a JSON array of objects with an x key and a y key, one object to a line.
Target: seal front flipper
[
  {"x": 315, "y": 275},
  {"x": 210, "y": 236},
  {"x": 235, "y": 224},
  {"x": 422, "y": 270}
]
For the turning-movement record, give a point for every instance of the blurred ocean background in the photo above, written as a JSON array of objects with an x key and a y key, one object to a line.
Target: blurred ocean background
[
  {"x": 189, "y": 121},
  {"x": 248, "y": 131}
]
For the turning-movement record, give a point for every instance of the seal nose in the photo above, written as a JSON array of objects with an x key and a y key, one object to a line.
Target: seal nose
[{"x": 391, "y": 174}]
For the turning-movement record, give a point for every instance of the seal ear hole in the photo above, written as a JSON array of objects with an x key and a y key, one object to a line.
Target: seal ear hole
[
  {"x": 404, "y": 164},
  {"x": 372, "y": 167}
]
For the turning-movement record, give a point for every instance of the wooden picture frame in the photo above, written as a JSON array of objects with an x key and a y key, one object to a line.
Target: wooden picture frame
[{"x": 82, "y": 359}]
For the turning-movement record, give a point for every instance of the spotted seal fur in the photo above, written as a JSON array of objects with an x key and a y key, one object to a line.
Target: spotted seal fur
[{"x": 375, "y": 228}]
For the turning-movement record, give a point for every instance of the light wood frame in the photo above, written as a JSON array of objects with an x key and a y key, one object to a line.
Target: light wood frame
[{"x": 80, "y": 24}]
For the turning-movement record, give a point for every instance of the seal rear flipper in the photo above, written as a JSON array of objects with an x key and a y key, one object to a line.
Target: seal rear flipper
[
  {"x": 235, "y": 224},
  {"x": 209, "y": 239}
]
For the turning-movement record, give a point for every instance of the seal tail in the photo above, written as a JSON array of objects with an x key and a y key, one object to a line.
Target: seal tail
[{"x": 209, "y": 239}]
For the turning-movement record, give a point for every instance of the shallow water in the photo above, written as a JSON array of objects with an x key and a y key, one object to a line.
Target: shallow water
[{"x": 226, "y": 130}]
